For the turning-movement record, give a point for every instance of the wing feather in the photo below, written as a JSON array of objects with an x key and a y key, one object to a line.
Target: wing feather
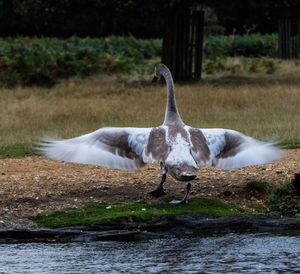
[
  {"x": 232, "y": 149},
  {"x": 109, "y": 147}
]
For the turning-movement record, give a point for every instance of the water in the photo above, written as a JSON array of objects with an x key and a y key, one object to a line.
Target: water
[{"x": 223, "y": 254}]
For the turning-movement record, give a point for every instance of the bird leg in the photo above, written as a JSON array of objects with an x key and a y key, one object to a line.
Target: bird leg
[
  {"x": 184, "y": 200},
  {"x": 159, "y": 191}
]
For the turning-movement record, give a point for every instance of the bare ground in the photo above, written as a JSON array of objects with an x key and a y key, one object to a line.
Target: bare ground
[{"x": 35, "y": 185}]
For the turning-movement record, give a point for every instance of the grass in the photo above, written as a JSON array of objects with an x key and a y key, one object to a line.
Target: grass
[
  {"x": 95, "y": 212},
  {"x": 257, "y": 188},
  {"x": 16, "y": 150},
  {"x": 241, "y": 65},
  {"x": 265, "y": 109},
  {"x": 282, "y": 199},
  {"x": 285, "y": 200}
]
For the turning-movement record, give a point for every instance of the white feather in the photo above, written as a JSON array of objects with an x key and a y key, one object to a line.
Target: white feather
[
  {"x": 181, "y": 151},
  {"x": 249, "y": 152},
  {"x": 89, "y": 149}
]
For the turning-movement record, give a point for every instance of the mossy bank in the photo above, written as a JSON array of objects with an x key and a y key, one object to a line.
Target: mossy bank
[
  {"x": 95, "y": 212},
  {"x": 282, "y": 200}
]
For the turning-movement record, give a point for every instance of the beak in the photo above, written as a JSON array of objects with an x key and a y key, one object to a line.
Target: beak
[
  {"x": 187, "y": 176},
  {"x": 155, "y": 79}
]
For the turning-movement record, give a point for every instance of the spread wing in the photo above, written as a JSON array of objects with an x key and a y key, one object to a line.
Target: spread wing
[
  {"x": 109, "y": 147},
  {"x": 232, "y": 149}
]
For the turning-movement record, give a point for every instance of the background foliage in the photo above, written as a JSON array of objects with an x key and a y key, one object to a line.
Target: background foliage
[
  {"x": 254, "y": 45},
  {"x": 27, "y": 61},
  {"x": 43, "y": 61},
  {"x": 140, "y": 18}
]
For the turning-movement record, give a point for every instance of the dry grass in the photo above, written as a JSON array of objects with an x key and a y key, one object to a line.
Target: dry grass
[{"x": 261, "y": 108}]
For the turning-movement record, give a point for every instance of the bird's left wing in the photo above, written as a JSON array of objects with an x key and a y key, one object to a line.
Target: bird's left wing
[
  {"x": 232, "y": 149},
  {"x": 109, "y": 147}
]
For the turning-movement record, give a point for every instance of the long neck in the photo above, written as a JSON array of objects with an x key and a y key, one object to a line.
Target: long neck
[{"x": 171, "y": 115}]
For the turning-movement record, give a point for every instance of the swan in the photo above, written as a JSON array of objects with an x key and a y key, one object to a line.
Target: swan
[{"x": 178, "y": 148}]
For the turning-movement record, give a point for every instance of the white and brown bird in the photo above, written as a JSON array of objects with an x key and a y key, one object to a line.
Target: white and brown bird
[{"x": 178, "y": 148}]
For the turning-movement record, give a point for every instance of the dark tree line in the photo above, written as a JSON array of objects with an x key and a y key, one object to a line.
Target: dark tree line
[
  {"x": 64, "y": 18},
  {"x": 141, "y": 18},
  {"x": 254, "y": 15}
]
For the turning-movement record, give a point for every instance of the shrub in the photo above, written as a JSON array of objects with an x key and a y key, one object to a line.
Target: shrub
[
  {"x": 41, "y": 61},
  {"x": 252, "y": 45}
]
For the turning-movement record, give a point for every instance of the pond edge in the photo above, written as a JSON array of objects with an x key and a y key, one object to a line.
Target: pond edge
[{"x": 136, "y": 229}]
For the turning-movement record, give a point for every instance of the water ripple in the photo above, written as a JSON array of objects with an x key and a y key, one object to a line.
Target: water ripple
[{"x": 231, "y": 253}]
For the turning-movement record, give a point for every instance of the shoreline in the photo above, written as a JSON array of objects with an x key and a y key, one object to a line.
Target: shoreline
[{"x": 135, "y": 229}]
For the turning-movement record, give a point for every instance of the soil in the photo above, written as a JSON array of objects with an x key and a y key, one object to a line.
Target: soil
[{"x": 35, "y": 185}]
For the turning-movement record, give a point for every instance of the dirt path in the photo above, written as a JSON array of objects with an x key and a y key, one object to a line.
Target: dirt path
[{"x": 34, "y": 185}]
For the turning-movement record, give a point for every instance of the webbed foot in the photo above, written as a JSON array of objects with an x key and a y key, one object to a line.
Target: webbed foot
[
  {"x": 158, "y": 192},
  {"x": 179, "y": 202},
  {"x": 184, "y": 200}
]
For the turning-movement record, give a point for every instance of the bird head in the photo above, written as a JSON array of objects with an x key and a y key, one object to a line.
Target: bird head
[{"x": 182, "y": 172}]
